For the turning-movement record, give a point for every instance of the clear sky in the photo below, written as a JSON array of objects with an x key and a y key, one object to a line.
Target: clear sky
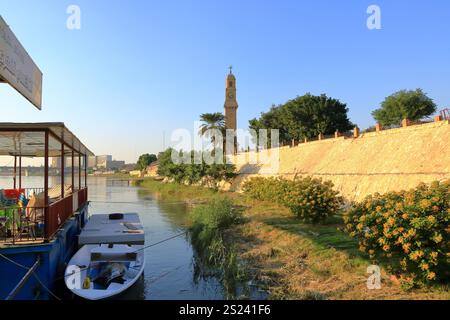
[{"x": 137, "y": 69}]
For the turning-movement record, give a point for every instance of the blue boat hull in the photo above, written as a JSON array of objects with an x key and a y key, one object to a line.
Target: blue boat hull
[{"x": 53, "y": 258}]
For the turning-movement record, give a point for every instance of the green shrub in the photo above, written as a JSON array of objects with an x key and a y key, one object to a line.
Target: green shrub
[
  {"x": 409, "y": 227},
  {"x": 308, "y": 198},
  {"x": 208, "y": 223},
  {"x": 192, "y": 172},
  {"x": 261, "y": 188},
  {"x": 218, "y": 214},
  {"x": 311, "y": 199},
  {"x": 213, "y": 253}
]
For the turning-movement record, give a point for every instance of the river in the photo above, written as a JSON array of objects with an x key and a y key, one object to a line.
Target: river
[{"x": 169, "y": 270}]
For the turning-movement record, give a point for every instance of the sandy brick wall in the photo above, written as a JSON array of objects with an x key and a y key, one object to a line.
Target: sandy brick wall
[{"x": 374, "y": 162}]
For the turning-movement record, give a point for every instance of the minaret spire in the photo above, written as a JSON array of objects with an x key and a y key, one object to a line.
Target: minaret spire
[
  {"x": 231, "y": 105},
  {"x": 230, "y": 101}
]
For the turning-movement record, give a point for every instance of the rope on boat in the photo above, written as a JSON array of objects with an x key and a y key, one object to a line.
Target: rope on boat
[
  {"x": 34, "y": 274},
  {"x": 163, "y": 274},
  {"x": 81, "y": 269},
  {"x": 159, "y": 242},
  {"x": 143, "y": 248}
]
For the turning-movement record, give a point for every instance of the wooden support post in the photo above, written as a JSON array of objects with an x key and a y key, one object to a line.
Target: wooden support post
[
  {"x": 20, "y": 172},
  {"x": 73, "y": 172},
  {"x": 15, "y": 172},
  {"x": 85, "y": 170},
  {"x": 79, "y": 171},
  {"x": 62, "y": 167},
  {"x": 46, "y": 209},
  {"x": 356, "y": 132}
]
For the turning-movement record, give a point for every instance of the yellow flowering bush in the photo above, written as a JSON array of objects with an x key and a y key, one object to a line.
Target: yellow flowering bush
[
  {"x": 310, "y": 199},
  {"x": 261, "y": 188},
  {"x": 411, "y": 226}
]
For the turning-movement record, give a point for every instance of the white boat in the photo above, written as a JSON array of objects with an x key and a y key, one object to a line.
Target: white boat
[
  {"x": 103, "y": 271},
  {"x": 111, "y": 256}
]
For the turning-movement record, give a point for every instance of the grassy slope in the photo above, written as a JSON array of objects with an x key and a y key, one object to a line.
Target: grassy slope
[{"x": 299, "y": 261}]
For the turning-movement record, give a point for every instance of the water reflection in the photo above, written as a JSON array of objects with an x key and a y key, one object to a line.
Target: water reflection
[
  {"x": 174, "y": 209},
  {"x": 172, "y": 269},
  {"x": 169, "y": 270}
]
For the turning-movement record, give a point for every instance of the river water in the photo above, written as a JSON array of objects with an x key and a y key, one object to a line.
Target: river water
[{"x": 169, "y": 270}]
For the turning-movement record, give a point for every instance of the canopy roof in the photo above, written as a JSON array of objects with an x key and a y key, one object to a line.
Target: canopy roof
[{"x": 28, "y": 139}]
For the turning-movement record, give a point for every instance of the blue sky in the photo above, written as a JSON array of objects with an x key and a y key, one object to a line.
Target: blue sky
[{"x": 137, "y": 69}]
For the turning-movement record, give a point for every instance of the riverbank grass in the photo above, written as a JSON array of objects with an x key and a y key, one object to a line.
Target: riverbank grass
[
  {"x": 213, "y": 252},
  {"x": 180, "y": 191},
  {"x": 294, "y": 260}
]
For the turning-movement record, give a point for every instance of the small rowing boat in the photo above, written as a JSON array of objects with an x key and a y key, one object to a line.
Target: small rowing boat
[
  {"x": 103, "y": 271},
  {"x": 111, "y": 256}
]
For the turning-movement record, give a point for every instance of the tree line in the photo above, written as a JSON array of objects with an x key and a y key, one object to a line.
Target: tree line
[{"x": 307, "y": 116}]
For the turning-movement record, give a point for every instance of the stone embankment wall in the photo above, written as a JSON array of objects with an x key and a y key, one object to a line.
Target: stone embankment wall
[{"x": 381, "y": 161}]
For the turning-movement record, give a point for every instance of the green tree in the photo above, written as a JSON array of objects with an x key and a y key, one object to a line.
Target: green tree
[
  {"x": 166, "y": 167},
  {"x": 305, "y": 117},
  {"x": 192, "y": 172},
  {"x": 272, "y": 119},
  {"x": 212, "y": 121},
  {"x": 145, "y": 160},
  {"x": 404, "y": 104}
]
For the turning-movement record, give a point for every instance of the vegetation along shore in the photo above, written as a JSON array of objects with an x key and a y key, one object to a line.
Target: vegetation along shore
[{"x": 272, "y": 243}]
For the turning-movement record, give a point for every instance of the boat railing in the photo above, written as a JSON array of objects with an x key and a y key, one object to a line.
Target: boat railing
[
  {"x": 34, "y": 224},
  {"x": 21, "y": 225},
  {"x": 62, "y": 209}
]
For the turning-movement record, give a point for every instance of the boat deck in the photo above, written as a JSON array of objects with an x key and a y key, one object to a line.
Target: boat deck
[
  {"x": 100, "y": 229},
  {"x": 10, "y": 242}
]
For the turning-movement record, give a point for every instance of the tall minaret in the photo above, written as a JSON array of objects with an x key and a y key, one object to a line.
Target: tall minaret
[{"x": 231, "y": 104}]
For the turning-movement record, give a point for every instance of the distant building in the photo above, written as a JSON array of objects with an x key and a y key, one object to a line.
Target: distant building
[
  {"x": 152, "y": 170},
  {"x": 136, "y": 173},
  {"x": 116, "y": 164},
  {"x": 105, "y": 162},
  {"x": 92, "y": 162},
  {"x": 56, "y": 162},
  {"x": 102, "y": 161},
  {"x": 128, "y": 167}
]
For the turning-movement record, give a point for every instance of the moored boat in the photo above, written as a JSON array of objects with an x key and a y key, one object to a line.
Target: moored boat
[
  {"x": 110, "y": 259},
  {"x": 103, "y": 271},
  {"x": 40, "y": 224}
]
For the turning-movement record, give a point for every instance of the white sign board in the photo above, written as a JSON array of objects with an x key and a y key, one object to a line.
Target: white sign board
[{"x": 17, "y": 68}]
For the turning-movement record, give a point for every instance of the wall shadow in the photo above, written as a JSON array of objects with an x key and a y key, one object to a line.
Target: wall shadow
[
  {"x": 324, "y": 236},
  {"x": 244, "y": 172}
]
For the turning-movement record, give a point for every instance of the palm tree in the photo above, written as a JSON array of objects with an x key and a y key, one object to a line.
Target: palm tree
[{"x": 212, "y": 121}]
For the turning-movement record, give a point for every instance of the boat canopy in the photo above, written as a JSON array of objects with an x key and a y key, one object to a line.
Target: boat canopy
[
  {"x": 36, "y": 214},
  {"x": 28, "y": 139}
]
